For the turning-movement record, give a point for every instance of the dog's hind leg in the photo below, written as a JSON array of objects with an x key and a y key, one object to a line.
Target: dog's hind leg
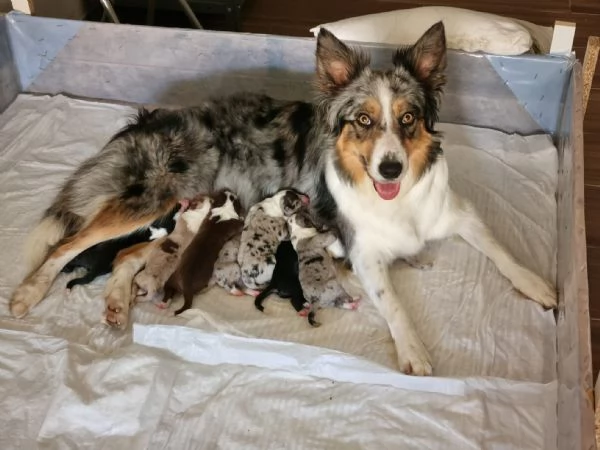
[
  {"x": 113, "y": 220},
  {"x": 260, "y": 298},
  {"x": 471, "y": 228},
  {"x": 119, "y": 291},
  {"x": 188, "y": 300}
]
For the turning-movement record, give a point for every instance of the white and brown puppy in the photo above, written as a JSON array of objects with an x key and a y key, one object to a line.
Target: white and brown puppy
[
  {"x": 317, "y": 272},
  {"x": 163, "y": 259},
  {"x": 264, "y": 229},
  {"x": 195, "y": 269}
]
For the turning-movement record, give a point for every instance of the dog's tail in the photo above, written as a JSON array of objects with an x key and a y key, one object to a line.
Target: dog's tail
[
  {"x": 49, "y": 232},
  {"x": 58, "y": 223}
]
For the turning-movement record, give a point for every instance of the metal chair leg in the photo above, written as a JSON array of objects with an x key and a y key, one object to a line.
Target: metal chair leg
[
  {"x": 151, "y": 9},
  {"x": 188, "y": 12},
  {"x": 108, "y": 8}
]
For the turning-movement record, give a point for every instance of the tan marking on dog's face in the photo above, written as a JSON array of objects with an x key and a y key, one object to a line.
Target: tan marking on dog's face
[
  {"x": 357, "y": 140},
  {"x": 418, "y": 144}
]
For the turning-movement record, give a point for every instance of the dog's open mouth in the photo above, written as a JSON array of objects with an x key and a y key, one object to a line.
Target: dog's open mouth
[{"x": 387, "y": 191}]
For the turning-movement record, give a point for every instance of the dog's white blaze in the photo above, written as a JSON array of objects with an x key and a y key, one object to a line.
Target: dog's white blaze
[
  {"x": 156, "y": 233},
  {"x": 194, "y": 217},
  {"x": 388, "y": 143},
  {"x": 225, "y": 212}
]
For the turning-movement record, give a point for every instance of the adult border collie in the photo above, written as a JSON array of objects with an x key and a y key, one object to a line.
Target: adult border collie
[{"x": 365, "y": 151}]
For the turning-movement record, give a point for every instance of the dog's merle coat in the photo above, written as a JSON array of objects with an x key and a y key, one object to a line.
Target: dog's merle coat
[{"x": 264, "y": 229}]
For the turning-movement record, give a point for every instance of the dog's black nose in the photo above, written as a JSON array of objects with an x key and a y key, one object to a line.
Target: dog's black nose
[{"x": 390, "y": 169}]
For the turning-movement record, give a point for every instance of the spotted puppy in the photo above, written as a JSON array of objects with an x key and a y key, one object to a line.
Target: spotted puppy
[
  {"x": 163, "y": 259},
  {"x": 264, "y": 229},
  {"x": 227, "y": 273},
  {"x": 316, "y": 267},
  {"x": 195, "y": 269}
]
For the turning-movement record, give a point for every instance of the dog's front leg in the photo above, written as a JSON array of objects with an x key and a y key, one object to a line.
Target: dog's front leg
[
  {"x": 468, "y": 225},
  {"x": 373, "y": 274}
]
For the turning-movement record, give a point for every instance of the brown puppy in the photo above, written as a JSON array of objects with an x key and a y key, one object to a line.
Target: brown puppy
[
  {"x": 163, "y": 260},
  {"x": 195, "y": 269}
]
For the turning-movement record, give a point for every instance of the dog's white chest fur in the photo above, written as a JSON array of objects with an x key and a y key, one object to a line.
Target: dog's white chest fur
[{"x": 393, "y": 228}]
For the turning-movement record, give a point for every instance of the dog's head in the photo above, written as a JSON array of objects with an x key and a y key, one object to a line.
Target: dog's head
[
  {"x": 291, "y": 201},
  {"x": 301, "y": 226},
  {"x": 383, "y": 121},
  {"x": 226, "y": 206}
]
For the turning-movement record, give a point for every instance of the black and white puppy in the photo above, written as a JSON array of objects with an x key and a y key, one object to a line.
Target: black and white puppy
[
  {"x": 285, "y": 282},
  {"x": 98, "y": 260}
]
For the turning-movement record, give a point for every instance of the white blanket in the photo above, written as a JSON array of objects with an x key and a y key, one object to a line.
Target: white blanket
[{"x": 238, "y": 378}]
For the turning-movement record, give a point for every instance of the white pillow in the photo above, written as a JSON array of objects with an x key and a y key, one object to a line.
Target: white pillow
[{"x": 466, "y": 30}]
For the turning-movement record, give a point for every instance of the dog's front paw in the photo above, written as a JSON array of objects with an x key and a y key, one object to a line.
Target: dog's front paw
[
  {"x": 535, "y": 288},
  {"x": 413, "y": 358}
]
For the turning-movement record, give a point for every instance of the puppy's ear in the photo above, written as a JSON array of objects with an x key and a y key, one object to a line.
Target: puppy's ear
[
  {"x": 426, "y": 59},
  {"x": 337, "y": 64}
]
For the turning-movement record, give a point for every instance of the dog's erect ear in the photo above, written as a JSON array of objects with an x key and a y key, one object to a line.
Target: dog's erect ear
[
  {"x": 337, "y": 64},
  {"x": 427, "y": 57}
]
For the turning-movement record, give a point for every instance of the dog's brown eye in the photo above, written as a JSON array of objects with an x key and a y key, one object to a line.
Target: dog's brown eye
[
  {"x": 408, "y": 118},
  {"x": 364, "y": 120}
]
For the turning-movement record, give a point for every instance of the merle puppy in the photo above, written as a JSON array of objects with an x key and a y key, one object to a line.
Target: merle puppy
[
  {"x": 285, "y": 282},
  {"x": 98, "y": 260},
  {"x": 264, "y": 229},
  {"x": 316, "y": 270}
]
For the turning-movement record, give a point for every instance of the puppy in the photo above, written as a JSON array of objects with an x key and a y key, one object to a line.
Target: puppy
[
  {"x": 98, "y": 260},
  {"x": 162, "y": 261},
  {"x": 316, "y": 267},
  {"x": 195, "y": 269},
  {"x": 285, "y": 282},
  {"x": 227, "y": 273},
  {"x": 264, "y": 229}
]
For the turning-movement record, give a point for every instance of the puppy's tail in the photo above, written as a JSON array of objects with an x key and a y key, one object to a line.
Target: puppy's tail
[{"x": 42, "y": 239}]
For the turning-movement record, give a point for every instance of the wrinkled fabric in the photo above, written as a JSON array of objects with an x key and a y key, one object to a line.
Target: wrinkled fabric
[{"x": 234, "y": 377}]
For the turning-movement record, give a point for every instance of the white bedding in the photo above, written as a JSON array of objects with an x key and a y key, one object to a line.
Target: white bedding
[{"x": 238, "y": 378}]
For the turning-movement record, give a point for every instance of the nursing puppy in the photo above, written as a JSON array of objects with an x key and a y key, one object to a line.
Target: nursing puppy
[
  {"x": 317, "y": 272},
  {"x": 98, "y": 260},
  {"x": 163, "y": 260},
  {"x": 227, "y": 273},
  {"x": 264, "y": 229},
  {"x": 286, "y": 283},
  {"x": 195, "y": 269}
]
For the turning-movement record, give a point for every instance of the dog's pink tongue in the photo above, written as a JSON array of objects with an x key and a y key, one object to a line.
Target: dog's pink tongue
[{"x": 387, "y": 191}]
